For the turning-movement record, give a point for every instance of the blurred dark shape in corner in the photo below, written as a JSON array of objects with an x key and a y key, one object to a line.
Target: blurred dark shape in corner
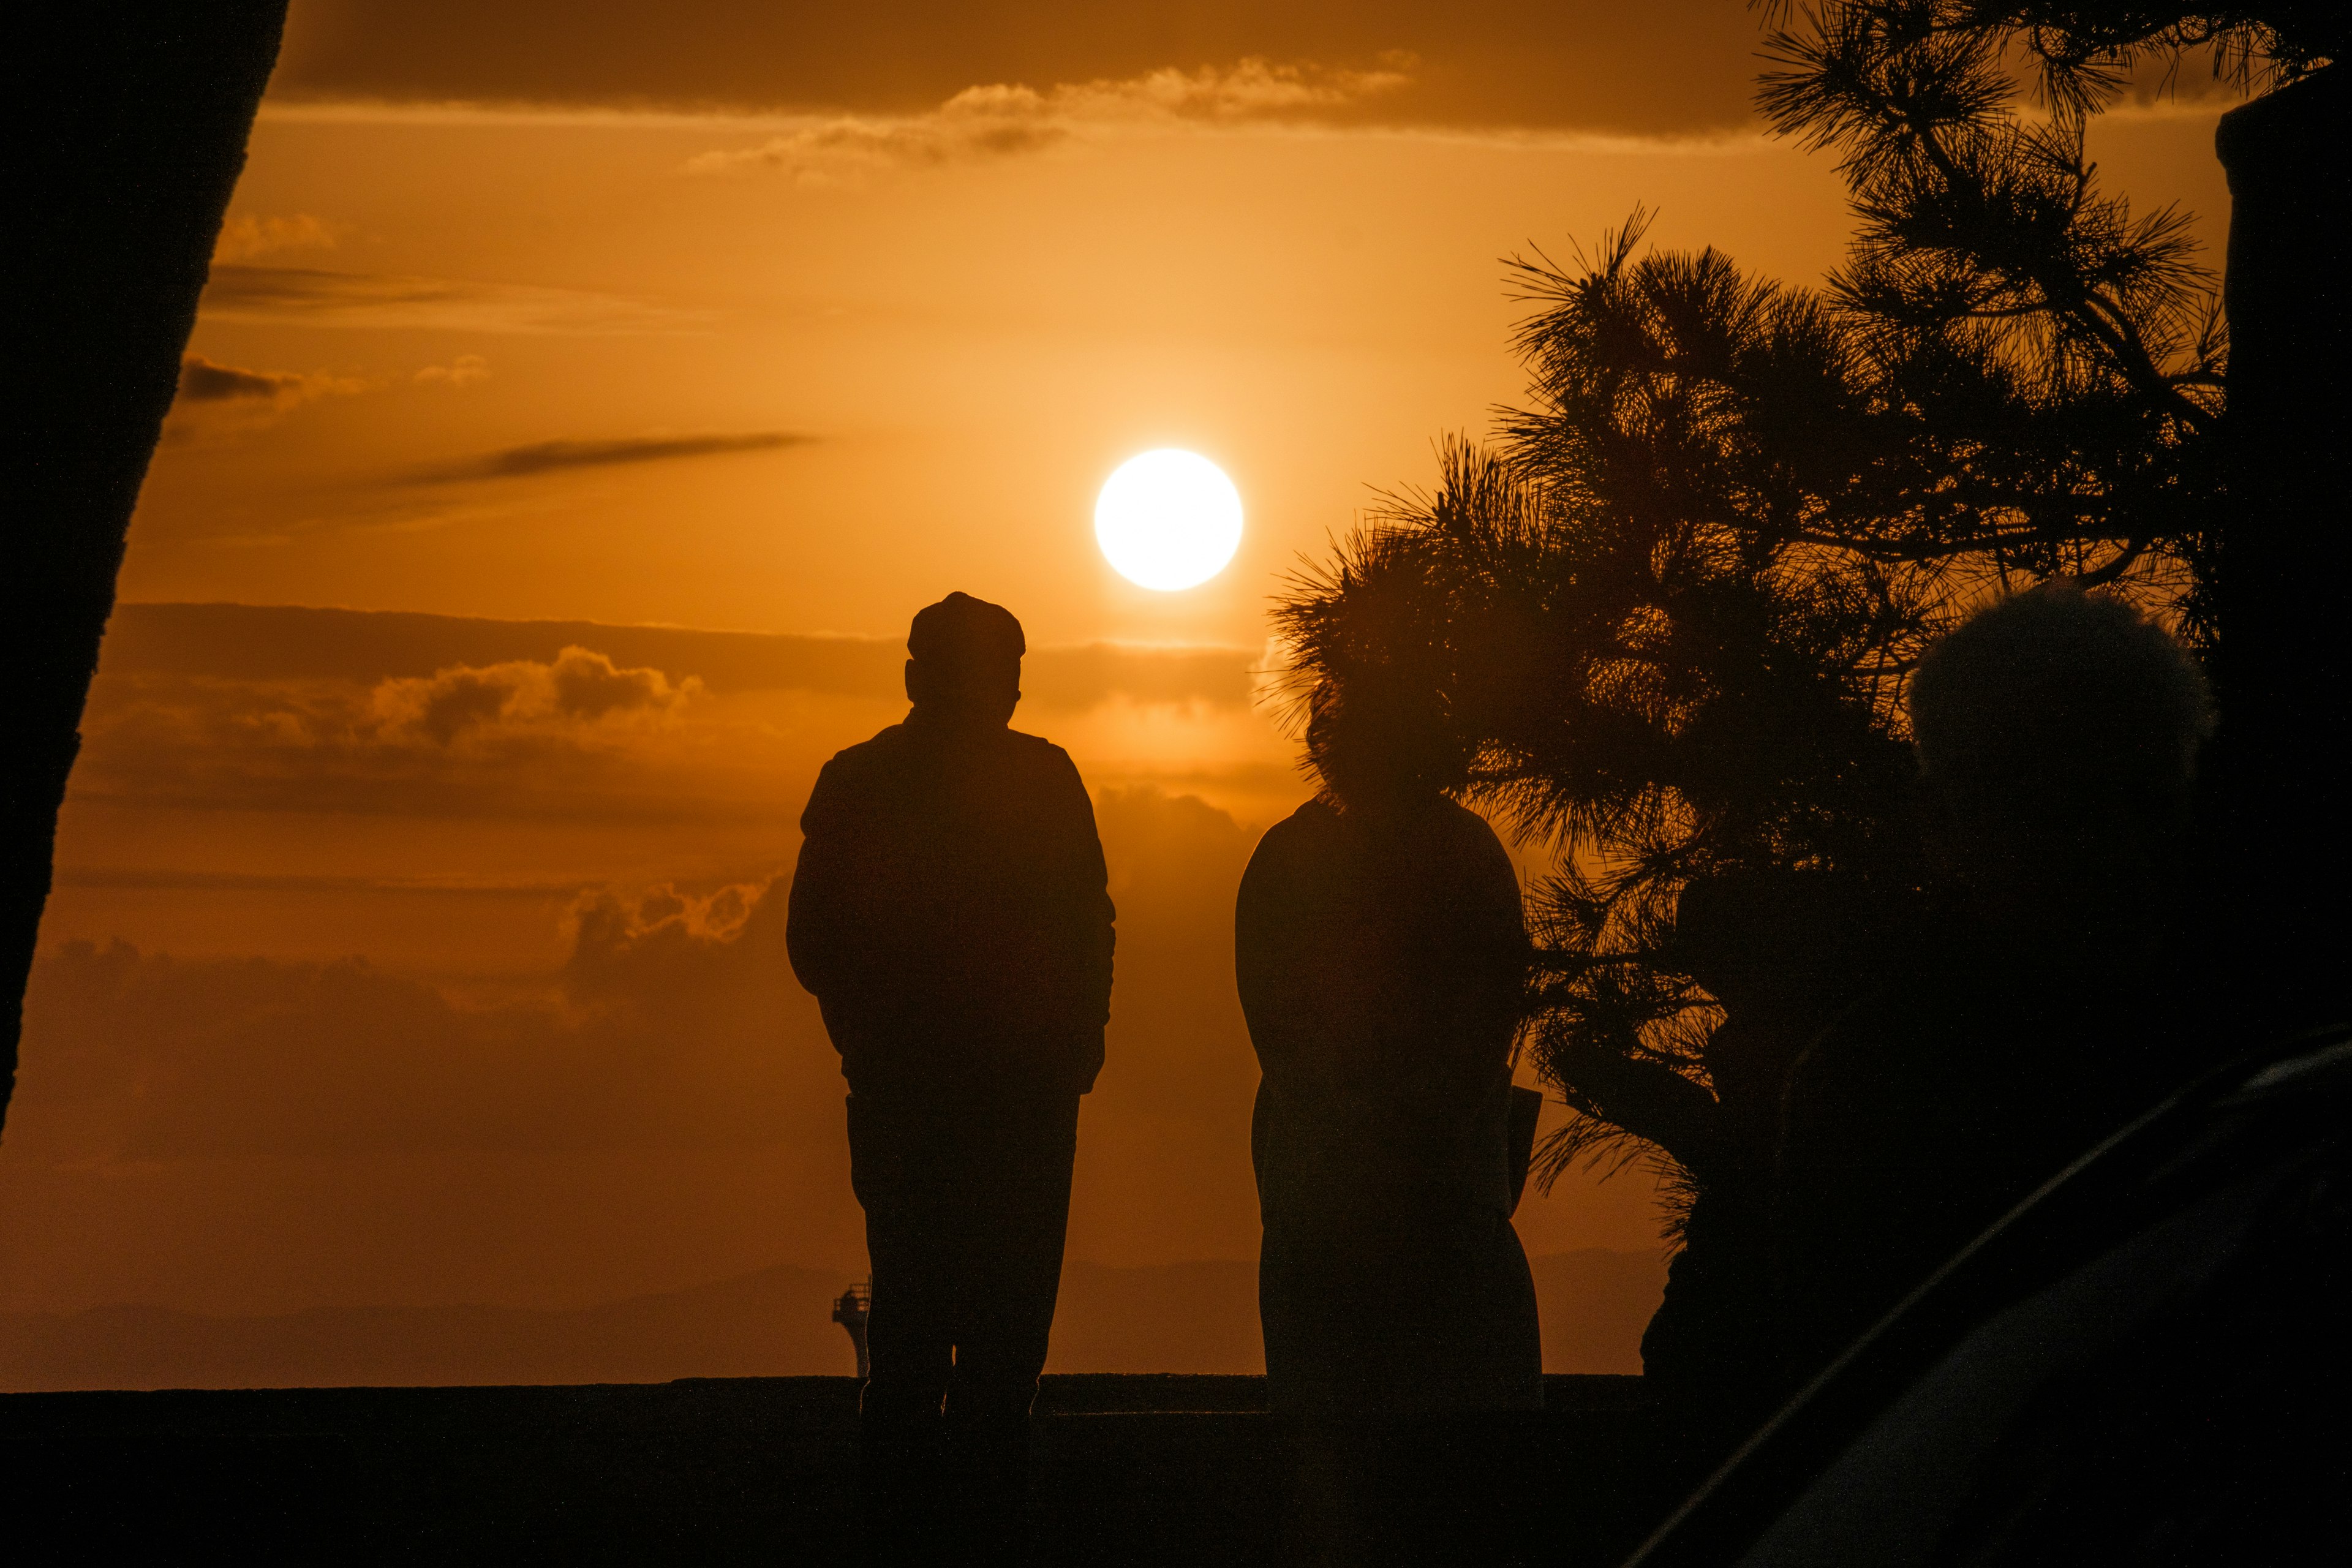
[
  {"x": 949, "y": 913},
  {"x": 131, "y": 124},
  {"x": 1382, "y": 957},
  {"x": 2137, "y": 1408},
  {"x": 2144, "y": 1364},
  {"x": 2037, "y": 1003},
  {"x": 2284, "y": 665}
]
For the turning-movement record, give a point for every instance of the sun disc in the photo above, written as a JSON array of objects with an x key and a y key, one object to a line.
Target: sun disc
[{"x": 1167, "y": 519}]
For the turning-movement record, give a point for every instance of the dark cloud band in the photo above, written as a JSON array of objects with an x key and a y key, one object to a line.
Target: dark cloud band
[
  {"x": 1673, "y": 67},
  {"x": 202, "y": 381},
  {"x": 556, "y": 456},
  {"x": 286, "y": 642},
  {"x": 379, "y": 302}
]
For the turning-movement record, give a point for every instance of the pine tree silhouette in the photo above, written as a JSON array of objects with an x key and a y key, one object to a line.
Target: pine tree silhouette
[{"x": 1669, "y": 611}]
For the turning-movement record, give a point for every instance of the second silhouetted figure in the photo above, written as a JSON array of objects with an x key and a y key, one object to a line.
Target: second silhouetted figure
[{"x": 950, "y": 912}]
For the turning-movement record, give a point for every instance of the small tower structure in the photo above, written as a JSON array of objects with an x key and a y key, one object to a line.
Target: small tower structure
[{"x": 850, "y": 1309}]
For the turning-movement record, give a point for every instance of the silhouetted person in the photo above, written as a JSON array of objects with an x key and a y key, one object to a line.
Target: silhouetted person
[
  {"x": 950, "y": 914},
  {"x": 1784, "y": 952},
  {"x": 2028, "y": 1015},
  {"x": 1382, "y": 958}
]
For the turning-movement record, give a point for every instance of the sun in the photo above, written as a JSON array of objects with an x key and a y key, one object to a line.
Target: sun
[{"x": 1167, "y": 519}]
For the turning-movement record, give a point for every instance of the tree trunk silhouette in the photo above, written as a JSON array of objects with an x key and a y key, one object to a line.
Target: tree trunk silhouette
[
  {"x": 2287, "y": 567},
  {"x": 131, "y": 121}
]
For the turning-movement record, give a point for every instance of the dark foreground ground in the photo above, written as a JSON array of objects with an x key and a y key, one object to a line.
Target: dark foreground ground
[{"x": 1129, "y": 1469}]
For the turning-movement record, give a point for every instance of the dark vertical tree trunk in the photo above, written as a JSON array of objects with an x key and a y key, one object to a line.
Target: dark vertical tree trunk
[
  {"x": 130, "y": 129},
  {"x": 2286, "y": 574}
]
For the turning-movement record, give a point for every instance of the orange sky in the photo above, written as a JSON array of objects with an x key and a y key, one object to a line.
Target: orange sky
[{"x": 779, "y": 333}]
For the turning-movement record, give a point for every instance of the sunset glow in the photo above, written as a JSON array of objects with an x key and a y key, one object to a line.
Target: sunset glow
[
  {"x": 567, "y": 436},
  {"x": 1169, "y": 520}
]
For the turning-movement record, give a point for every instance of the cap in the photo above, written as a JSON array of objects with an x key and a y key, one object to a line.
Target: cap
[{"x": 961, "y": 631}]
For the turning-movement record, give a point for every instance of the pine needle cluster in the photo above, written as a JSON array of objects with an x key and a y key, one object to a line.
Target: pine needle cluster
[{"x": 1669, "y": 608}]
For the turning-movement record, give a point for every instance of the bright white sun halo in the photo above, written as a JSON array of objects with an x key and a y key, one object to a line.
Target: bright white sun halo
[{"x": 1167, "y": 519}]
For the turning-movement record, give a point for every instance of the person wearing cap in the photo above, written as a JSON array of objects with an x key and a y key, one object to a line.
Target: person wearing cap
[{"x": 950, "y": 912}]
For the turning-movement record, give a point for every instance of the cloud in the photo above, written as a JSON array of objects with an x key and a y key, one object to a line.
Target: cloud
[
  {"x": 283, "y": 643},
  {"x": 1673, "y": 67},
  {"x": 578, "y": 737},
  {"x": 208, "y": 381},
  {"x": 554, "y": 457},
  {"x": 398, "y": 716},
  {"x": 1255, "y": 89},
  {"x": 201, "y": 381},
  {"x": 826, "y": 153},
  {"x": 312, "y": 297},
  {"x": 1002, "y": 121},
  {"x": 462, "y": 371},
  {"x": 658, "y": 1103},
  {"x": 245, "y": 236},
  {"x": 151, "y": 878},
  {"x": 246, "y": 1133},
  {"x": 579, "y": 688},
  {"x": 216, "y": 400},
  {"x": 673, "y": 1022},
  {"x": 1101, "y": 672},
  {"x": 660, "y": 1036}
]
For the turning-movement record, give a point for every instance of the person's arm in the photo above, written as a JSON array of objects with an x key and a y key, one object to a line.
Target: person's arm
[
  {"x": 1495, "y": 983},
  {"x": 1270, "y": 967},
  {"x": 820, "y": 910},
  {"x": 1832, "y": 1201},
  {"x": 1093, "y": 936},
  {"x": 1477, "y": 955}
]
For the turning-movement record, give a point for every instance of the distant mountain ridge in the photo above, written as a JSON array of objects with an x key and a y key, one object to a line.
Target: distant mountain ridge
[{"x": 1181, "y": 1318}]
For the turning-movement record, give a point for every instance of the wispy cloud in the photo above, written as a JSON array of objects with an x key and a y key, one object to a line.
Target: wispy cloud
[
  {"x": 1004, "y": 119},
  {"x": 271, "y": 643},
  {"x": 1662, "y": 68},
  {"x": 462, "y": 371},
  {"x": 208, "y": 381},
  {"x": 553, "y": 456},
  {"x": 313, "y": 297},
  {"x": 225, "y": 401},
  {"x": 178, "y": 879},
  {"x": 247, "y": 235}
]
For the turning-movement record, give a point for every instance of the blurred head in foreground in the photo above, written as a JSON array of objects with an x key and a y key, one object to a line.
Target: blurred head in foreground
[
  {"x": 964, "y": 663},
  {"x": 2058, "y": 732},
  {"x": 1382, "y": 743}
]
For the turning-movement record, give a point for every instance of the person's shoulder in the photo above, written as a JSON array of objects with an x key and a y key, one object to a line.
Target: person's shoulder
[
  {"x": 1034, "y": 746},
  {"x": 1287, "y": 853},
  {"x": 1466, "y": 833},
  {"x": 1458, "y": 819},
  {"x": 1890, "y": 1045},
  {"x": 1305, "y": 834},
  {"x": 1314, "y": 819},
  {"x": 1828, "y": 1089},
  {"x": 865, "y": 762},
  {"x": 1035, "y": 754},
  {"x": 886, "y": 744}
]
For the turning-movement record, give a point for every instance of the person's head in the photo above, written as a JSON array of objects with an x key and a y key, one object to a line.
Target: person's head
[
  {"x": 1379, "y": 742},
  {"x": 2058, "y": 731},
  {"x": 964, "y": 663}
]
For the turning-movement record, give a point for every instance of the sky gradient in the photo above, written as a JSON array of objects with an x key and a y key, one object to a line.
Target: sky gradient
[{"x": 629, "y": 378}]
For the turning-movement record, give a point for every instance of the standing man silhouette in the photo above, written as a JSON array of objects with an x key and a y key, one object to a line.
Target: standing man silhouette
[{"x": 950, "y": 913}]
